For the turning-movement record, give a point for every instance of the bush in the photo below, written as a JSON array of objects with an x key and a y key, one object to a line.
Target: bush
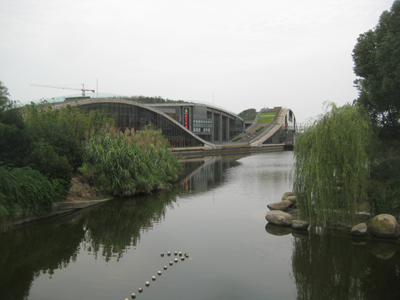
[
  {"x": 63, "y": 129},
  {"x": 385, "y": 200},
  {"x": 45, "y": 159},
  {"x": 14, "y": 141},
  {"x": 28, "y": 188},
  {"x": 123, "y": 164}
]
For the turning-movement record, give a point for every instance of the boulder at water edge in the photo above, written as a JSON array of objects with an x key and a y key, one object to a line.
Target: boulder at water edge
[
  {"x": 279, "y": 218},
  {"x": 360, "y": 230},
  {"x": 299, "y": 225},
  {"x": 287, "y": 194},
  {"x": 283, "y": 205},
  {"x": 384, "y": 226}
]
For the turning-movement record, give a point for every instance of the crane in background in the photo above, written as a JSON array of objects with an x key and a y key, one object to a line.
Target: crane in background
[{"x": 67, "y": 88}]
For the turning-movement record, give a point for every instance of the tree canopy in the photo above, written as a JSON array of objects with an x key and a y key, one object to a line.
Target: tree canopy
[
  {"x": 14, "y": 142},
  {"x": 248, "y": 114},
  {"x": 377, "y": 63}
]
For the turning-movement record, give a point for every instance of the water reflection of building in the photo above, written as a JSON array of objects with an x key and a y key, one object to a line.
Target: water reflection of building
[{"x": 206, "y": 173}]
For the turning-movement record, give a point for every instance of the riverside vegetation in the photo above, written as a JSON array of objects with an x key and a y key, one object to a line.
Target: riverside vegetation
[
  {"x": 349, "y": 159},
  {"x": 41, "y": 148}
]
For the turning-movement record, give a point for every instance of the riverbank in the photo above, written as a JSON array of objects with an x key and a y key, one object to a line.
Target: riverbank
[
  {"x": 286, "y": 214},
  {"x": 227, "y": 149},
  {"x": 59, "y": 208},
  {"x": 80, "y": 196}
]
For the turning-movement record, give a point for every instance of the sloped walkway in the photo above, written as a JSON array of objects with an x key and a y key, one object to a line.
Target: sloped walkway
[{"x": 251, "y": 133}]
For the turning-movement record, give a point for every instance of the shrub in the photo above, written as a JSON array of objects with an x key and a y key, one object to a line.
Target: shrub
[
  {"x": 385, "y": 200},
  {"x": 28, "y": 188},
  {"x": 63, "y": 129},
  {"x": 14, "y": 142},
  {"x": 123, "y": 164},
  {"x": 45, "y": 159}
]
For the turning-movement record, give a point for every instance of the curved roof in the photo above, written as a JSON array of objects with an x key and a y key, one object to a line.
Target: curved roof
[{"x": 129, "y": 102}]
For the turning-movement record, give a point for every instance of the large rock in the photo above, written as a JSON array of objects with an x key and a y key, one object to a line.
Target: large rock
[
  {"x": 299, "y": 225},
  {"x": 279, "y": 218},
  {"x": 360, "y": 230},
  {"x": 76, "y": 187},
  {"x": 283, "y": 205},
  {"x": 287, "y": 194},
  {"x": 384, "y": 226}
]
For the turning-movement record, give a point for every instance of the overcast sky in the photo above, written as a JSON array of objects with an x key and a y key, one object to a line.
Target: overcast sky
[{"x": 239, "y": 54}]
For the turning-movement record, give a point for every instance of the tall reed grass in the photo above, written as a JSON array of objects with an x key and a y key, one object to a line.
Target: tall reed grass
[{"x": 130, "y": 162}]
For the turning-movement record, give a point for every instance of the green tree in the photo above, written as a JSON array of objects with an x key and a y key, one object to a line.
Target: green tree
[
  {"x": 14, "y": 142},
  {"x": 377, "y": 63},
  {"x": 248, "y": 114},
  {"x": 332, "y": 166}
]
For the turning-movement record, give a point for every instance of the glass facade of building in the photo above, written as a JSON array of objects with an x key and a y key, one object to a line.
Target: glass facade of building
[
  {"x": 207, "y": 122},
  {"x": 132, "y": 116}
]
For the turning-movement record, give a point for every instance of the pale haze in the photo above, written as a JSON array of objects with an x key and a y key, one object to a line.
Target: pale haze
[{"x": 235, "y": 54}]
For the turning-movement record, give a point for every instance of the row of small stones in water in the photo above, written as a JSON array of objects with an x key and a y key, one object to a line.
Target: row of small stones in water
[{"x": 176, "y": 253}]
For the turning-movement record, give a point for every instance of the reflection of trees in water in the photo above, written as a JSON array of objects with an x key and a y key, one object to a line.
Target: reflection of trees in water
[
  {"x": 29, "y": 252},
  {"x": 106, "y": 230},
  {"x": 329, "y": 267},
  {"x": 118, "y": 224},
  {"x": 26, "y": 253}
]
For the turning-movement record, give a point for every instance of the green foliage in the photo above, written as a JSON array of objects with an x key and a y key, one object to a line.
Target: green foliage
[
  {"x": 332, "y": 166},
  {"x": 259, "y": 128},
  {"x": 127, "y": 163},
  {"x": 237, "y": 139},
  {"x": 14, "y": 142},
  {"x": 377, "y": 62},
  {"x": 28, "y": 188},
  {"x": 385, "y": 164},
  {"x": 45, "y": 159},
  {"x": 57, "y": 136},
  {"x": 266, "y": 118},
  {"x": 385, "y": 200},
  {"x": 384, "y": 183},
  {"x": 248, "y": 114}
]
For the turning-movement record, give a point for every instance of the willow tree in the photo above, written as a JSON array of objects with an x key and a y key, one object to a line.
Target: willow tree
[{"x": 331, "y": 168}]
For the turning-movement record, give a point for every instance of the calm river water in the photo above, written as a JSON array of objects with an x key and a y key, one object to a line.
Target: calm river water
[{"x": 217, "y": 216}]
